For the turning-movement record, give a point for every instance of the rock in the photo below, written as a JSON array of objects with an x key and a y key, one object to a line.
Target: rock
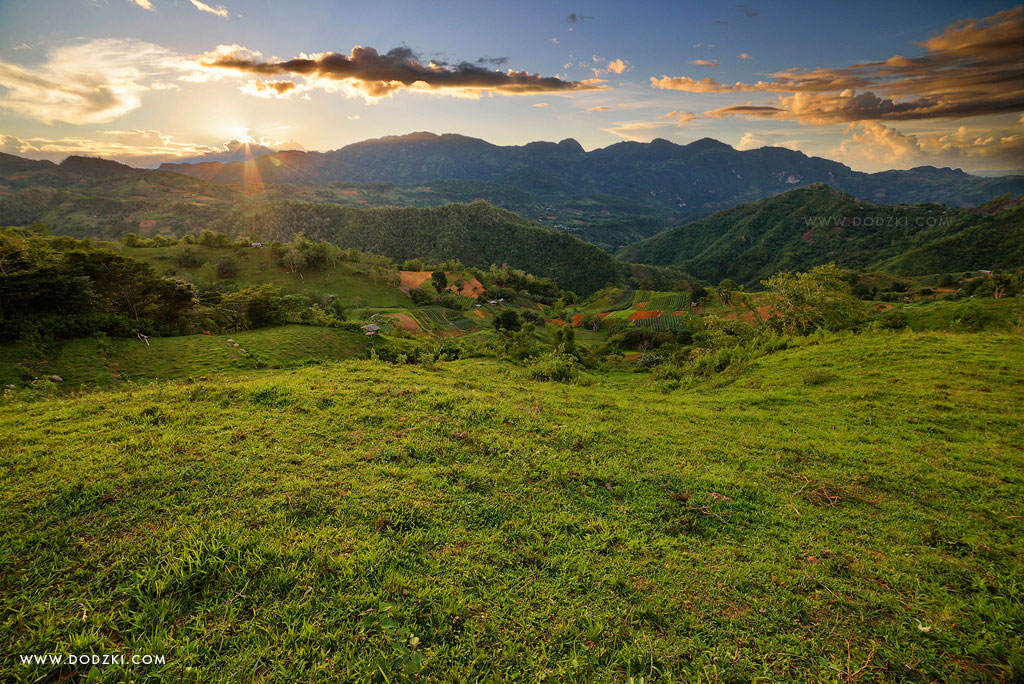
[
  {"x": 56, "y": 378},
  {"x": 230, "y": 340},
  {"x": 10, "y": 387},
  {"x": 235, "y": 344}
]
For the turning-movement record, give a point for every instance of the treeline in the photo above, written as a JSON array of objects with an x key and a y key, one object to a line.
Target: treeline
[
  {"x": 62, "y": 287},
  {"x": 57, "y": 287}
]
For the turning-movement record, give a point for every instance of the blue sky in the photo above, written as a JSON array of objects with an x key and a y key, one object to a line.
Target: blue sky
[{"x": 126, "y": 78}]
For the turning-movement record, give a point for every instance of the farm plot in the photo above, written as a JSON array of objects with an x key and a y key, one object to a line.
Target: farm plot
[
  {"x": 664, "y": 323},
  {"x": 439, "y": 320}
]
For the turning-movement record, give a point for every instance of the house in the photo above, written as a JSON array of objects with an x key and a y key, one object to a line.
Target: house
[
  {"x": 256, "y": 244},
  {"x": 371, "y": 329}
]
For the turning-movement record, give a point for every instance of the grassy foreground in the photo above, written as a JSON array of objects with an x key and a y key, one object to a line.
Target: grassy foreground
[{"x": 847, "y": 511}]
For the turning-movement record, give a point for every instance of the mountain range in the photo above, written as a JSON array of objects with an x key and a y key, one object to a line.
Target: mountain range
[{"x": 683, "y": 180}]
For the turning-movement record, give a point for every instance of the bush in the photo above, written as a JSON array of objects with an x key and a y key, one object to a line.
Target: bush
[
  {"x": 972, "y": 317},
  {"x": 893, "y": 320},
  {"x": 555, "y": 367}
]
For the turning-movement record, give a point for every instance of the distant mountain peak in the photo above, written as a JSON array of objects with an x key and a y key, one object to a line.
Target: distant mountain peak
[
  {"x": 704, "y": 144},
  {"x": 570, "y": 144},
  {"x": 95, "y": 167}
]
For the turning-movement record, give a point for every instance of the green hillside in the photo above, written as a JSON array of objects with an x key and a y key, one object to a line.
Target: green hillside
[
  {"x": 815, "y": 225},
  {"x": 477, "y": 234},
  {"x": 847, "y": 506}
]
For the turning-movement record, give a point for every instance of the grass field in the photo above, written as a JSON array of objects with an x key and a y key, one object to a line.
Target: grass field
[
  {"x": 843, "y": 511},
  {"x": 92, "y": 361},
  {"x": 352, "y": 286}
]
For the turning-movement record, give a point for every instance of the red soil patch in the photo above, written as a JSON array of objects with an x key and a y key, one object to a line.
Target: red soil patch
[
  {"x": 641, "y": 306},
  {"x": 603, "y": 315},
  {"x": 148, "y": 223},
  {"x": 631, "y": 357},
  {"x": 576, "y": 320},
  {"x": 479, "y": 313},
  {"x": 556, "y": 321},
  {"x": 349, "y": 192},
  {"x": 405, "y": 322},
  {"x": 470, "y": 288},
  {"x": 679, "y": 313},
  {"x": 764, "y": 312},
  {"x": 640, "y": 315},
  {"x": 413, "y": 279}
]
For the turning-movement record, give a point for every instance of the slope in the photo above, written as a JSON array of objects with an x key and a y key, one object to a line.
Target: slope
[{"x": 815, "y": 225}]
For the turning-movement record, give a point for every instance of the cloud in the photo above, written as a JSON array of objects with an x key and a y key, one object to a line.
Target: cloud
[
  {"x": 269, "y": 89},
  {"x": 645, "y": 131},
  {"x": 540, "y": 104},
  {"x": 496, "y": 61},
  {"x": 600, "y": 108},
  {"x": 144, "y": 4},
  {"x": 219, "y": 10},
  {"x": 619, "y": 66},
  {"x": 872, "y": 144},
  {"x": 704, "y": 85},
  {"x": 748, "y": 11},
  {"x": 705, "y": 62},
  {"x": 86, "y": 83},
  {"x": 136, "y": 147},
  {"x": 616, "y": 66},
  {"x": 373, "y": 75},
  {"x": 972, "y": 68},
  {"x": 575, "y": 18},
  {"x": 555, "y": 41},
  {"x": 638, "y": 131},
  {"x": 681, "y": 118},
  {"x": 744, "y": 55},
  {"x": 354, "y": 117},
  {"x": 752, "y": 141}
]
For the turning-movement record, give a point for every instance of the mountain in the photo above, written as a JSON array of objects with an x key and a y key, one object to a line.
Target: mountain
[
  {"x": 682, "y": 180},
  {"x": 10, "y": 163},
  {"x": 809, "y": 226}
]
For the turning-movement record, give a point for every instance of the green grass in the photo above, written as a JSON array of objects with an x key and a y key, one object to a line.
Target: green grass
[
  {"x": 352, "y": 286},
  {"x": 91, "y": 361},
  {"x": 846, "y": 511}
]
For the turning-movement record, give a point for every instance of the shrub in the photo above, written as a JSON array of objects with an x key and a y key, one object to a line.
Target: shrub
[
  {"x": 893, "y": 320},
  {"x": 555, "y": 367}
]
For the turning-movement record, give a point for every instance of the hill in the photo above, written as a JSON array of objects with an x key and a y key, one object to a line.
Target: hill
[
  {"x": 683, "y": 180},
  {"x": 326, "y": 523},
  {"x": 476, "y": 234},
  {"x": 815, "y": 225}
]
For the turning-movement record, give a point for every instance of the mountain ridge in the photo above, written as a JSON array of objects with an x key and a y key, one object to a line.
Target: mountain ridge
[{"x": 689, "y": 180}]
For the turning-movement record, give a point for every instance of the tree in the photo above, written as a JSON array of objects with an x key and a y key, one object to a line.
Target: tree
[
  {"x": 507, "y": 320},
  {"x": 819, "y": 298},
  {"x": 1005, "y": 285},
  {"x": 698, "y": 294},
  {"x": 440, "y": 280}
]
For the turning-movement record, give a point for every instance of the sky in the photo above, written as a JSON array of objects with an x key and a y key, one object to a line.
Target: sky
[{"x": 875, "y": 85}]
